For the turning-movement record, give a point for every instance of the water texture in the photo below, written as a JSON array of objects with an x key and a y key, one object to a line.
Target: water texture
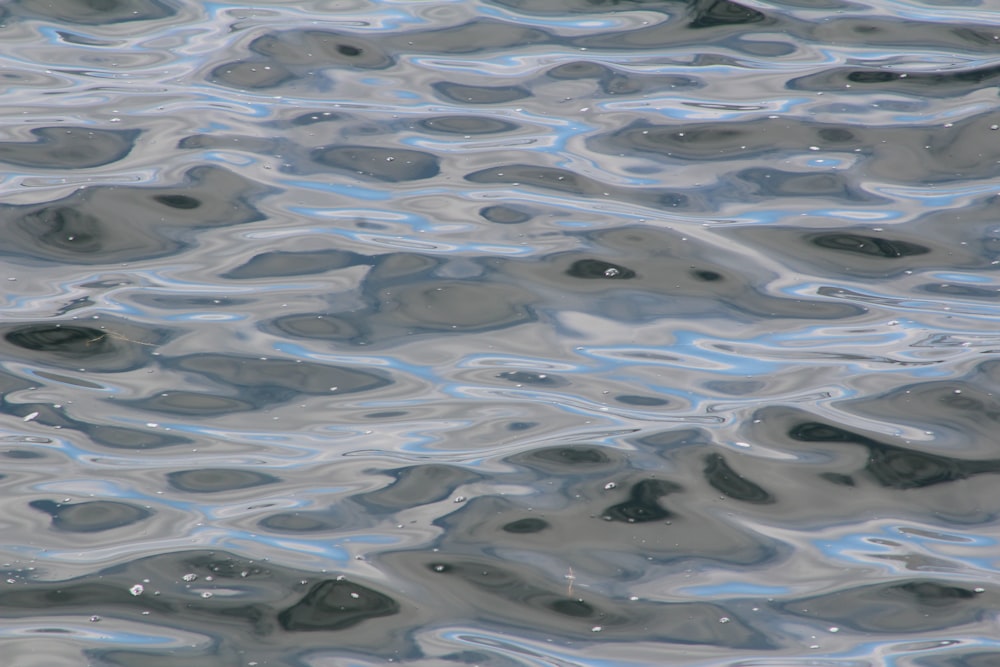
[{"x": 499, "y": 333}]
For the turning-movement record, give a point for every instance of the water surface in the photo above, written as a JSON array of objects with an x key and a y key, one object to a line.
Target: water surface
[{"x": 499, "y": 333}]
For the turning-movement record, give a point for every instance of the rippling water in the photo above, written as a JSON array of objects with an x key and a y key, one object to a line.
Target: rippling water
[{"x": 500, "y": 332}]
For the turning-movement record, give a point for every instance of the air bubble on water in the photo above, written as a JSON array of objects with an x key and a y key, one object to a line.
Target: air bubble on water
[
  {"x": 439, "y": 568},
  {"x": 609, "y": 486},
  {"x": 596, "y": 628},
  {"x": 136, "y": 590},
  {"x": 95, "y": 618},
  {"x": 834, "y": 629},
  {"x": 355, "y": 596},
  {"x": 724, "y": 619},
  {"x": 978, "y": 589},
  {"x": 206, "y": 594},
  {"x": 459, "y": 499},
  {"x": 611, "y": 273},
  {"x": 190, "y": 576}
]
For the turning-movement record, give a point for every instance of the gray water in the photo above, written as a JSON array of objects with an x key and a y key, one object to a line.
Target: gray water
[{"x": 499, "y": 333}]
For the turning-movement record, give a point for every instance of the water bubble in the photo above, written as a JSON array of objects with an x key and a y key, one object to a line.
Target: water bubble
[
  {"x": 609, "y": 486},
  {"x": 136, "y": 590},
  {"x": 611, "y": 272},
  {"x": 596, "y": 628},
  {"x": 190, "y": 576},
  {"x": 724, "y": 619},
  {"x": 95, "y": 618}
]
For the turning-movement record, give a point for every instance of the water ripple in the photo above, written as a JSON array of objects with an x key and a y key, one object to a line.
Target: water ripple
[{"x": 501, "y": 332}]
